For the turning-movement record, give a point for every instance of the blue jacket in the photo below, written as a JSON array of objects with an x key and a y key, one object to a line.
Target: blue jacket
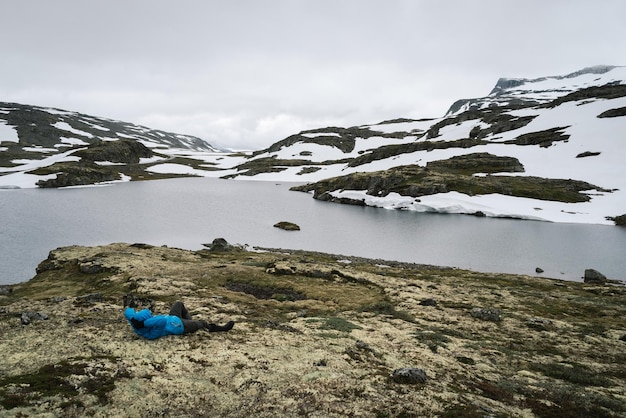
[{"x": 154, "y": 326}]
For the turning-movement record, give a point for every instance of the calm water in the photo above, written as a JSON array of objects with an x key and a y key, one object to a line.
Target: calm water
[{"x": 188, "y": 212}]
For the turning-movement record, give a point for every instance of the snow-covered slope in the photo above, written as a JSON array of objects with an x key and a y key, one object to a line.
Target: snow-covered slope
[
  {"x": 566, "y": 127},
  {"x": 34, "y": 138}
]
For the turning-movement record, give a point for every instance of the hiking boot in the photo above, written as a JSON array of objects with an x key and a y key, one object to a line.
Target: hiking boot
[{"x": 219, "y": 328}]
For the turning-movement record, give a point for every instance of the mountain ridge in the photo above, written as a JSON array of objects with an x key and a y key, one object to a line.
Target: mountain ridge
[
  {"x": 563, "y": 130},
  {"x": 556, "y": 127}
]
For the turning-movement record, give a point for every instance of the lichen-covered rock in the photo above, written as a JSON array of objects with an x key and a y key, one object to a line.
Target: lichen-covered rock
[
  {"x": 27, "y": 317},
  {"x": 487, "y": 314},
  {"x": 409, "y": 376}
]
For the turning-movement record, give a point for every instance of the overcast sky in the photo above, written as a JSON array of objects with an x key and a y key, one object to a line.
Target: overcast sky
[{"x": 244, "y": 74}]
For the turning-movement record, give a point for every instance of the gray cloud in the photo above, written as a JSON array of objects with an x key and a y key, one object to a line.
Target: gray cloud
[{"x": 244, "y": 74}]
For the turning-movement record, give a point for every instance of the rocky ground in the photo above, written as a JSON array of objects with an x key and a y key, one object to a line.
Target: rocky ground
[{"x": 316, "y": 335}]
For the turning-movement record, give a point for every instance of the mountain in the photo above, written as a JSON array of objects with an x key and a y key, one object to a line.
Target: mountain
[
  {"x": 52, "y": 147},
  {"x": 550, "y": 149}
]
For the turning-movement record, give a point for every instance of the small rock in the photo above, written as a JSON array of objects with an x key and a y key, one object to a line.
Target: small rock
[
  {"x": 487, "y": 314},
  {"x": 538, "y": 270},
  {"x": 428, "y": 302},
  {"x": 409, "y": 376},
  {"x": 287, "y": 226},
  {"x": 27, "y": 317},
  {"x": 594, "y": 276}
]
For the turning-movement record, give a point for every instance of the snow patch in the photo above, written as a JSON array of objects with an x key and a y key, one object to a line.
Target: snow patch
[
  {"x": 8, "y": 133},
  {"x": 64, "y": 126}
]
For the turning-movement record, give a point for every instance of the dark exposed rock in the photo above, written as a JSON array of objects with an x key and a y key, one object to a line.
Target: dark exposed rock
[
  {"x": 587, "y": 154},
  {"x": 142, "y": 246},
  {"x": 594, "y": 276},
  {"x": 487, "y": 314},
  {"x": 417, "y": 181},
  {"x": 121, "y": 151},
  {"x": 51, "y": 263},
  {"x": 287, "y": 226},
  {"x": 619, "y": 220},
  {"x": 482, "y": 162},
  {"x": 137, "y": 302},
  {"x": 613, "y": 113},
  {"x": 76, "y": 173},
  {"x": 542, "y": 138},
  {"x": 409, "y": 376},
  {"x": 428, "y": 302},
  {"x": 538, "y": 270},
  {"x": 218, "y": 245},
  {"x": 308, "y": 170},
  {"x": 608, "y": 91}
]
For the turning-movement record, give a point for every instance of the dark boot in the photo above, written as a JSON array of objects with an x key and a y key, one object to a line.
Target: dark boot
[{"x": 219, "y": 328}]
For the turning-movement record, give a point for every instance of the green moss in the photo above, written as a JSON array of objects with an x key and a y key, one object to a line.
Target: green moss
[
  {"x": 385, "y": 307},
  {"x": 53, "y": 380},
  {"x": 336, "y": 324},
  {"x": 573, "y": 373}
]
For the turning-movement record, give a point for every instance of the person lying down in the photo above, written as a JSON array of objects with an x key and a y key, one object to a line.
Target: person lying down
[{"x": 177, "y": 322}]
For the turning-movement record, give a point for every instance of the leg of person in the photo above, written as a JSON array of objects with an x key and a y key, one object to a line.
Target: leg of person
[
  {"x": 179, "y": 310},
  {"x": 190, "y": 326}
]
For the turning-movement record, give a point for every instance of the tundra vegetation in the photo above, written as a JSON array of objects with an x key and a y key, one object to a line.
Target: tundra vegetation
[{"x": 316, "y": 335}]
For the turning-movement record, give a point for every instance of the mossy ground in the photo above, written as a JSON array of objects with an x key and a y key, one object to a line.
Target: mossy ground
[{"x": 558, "y": 349}]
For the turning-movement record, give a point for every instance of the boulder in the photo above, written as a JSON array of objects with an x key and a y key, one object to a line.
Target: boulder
[
  {"x": 27, "y": 317},
  {"x": 218, "y": 244},
  {"x": 594, "y": 276},
  {"x": 287, "y": 226},
  {"x": 409, "y": 376},
  {"x": 487, "y": 314}
]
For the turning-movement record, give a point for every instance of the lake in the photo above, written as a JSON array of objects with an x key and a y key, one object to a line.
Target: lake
[{"x": 186, "y": 213}]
